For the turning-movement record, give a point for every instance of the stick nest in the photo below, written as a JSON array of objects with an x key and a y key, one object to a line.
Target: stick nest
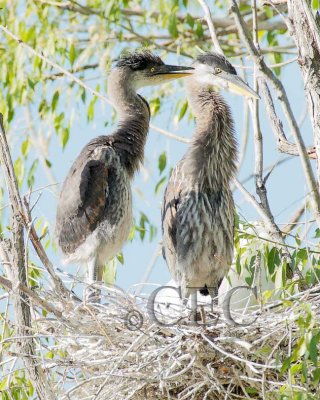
[{"x": 115, "y": 350}]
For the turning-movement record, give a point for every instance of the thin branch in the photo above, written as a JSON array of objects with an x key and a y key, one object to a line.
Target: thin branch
[
  {"x": 31, "y": 294},
  {"x": 295, "y": 218},
  {"x": 211, "y": 27},
  {"x": 72, "y": 71},
  {"x": 258, "y": 139},
  {"x": 36, "y": 242},
  {"x": 269, "y": 224},
  {"x": 17, "y": 271}
]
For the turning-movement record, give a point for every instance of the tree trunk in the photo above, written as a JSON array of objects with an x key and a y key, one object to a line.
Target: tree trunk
[
  {"x": 305, "y": 32},
  {"x": 16, "y": 269}
]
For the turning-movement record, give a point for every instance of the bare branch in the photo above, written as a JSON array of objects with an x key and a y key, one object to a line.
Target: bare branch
[
  {"x": 295, "y": 218},
  {"x": 17, "y": 270},
  {"x": 31, "y": 294},
  {"x": 211, "y": 27}
]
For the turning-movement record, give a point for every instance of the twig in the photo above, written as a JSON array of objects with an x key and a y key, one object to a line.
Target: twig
[
  {"x": 295, "y": 218},
  {"x": 211, "y": 27},
  {"x": 27, "y": 220},
  {"x": 31, "y": 294}
]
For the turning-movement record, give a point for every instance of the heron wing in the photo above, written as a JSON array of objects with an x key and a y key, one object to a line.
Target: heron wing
[{"x": 83, "y": 200}]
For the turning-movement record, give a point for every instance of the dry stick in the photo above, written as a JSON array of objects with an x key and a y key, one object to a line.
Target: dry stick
[
  {"x": 269, "y": 75},
  {"x": 305, "y": 32},
  {"x": 284, "y": 146},
  {"x": 18, "y": 274},
  {"x": 212, "y": 30},
  {"x": 295, "y": 218},
  {"x": 81, "y": 83},
  {"x": 245, "y": 134},
  {"x": 58, "y": 284},
  {"x": 258, "y": 139},
  {"x": 31, "y": 294}
]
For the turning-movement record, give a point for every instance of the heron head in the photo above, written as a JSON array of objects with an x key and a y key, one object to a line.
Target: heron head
[
  {"x": 212, "y": 69},
  {"x": 143, "y": 68}
]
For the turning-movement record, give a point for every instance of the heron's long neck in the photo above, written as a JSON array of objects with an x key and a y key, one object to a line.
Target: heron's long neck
[
  {"x": 131, "y": 133},
  {"x": 213, "y": 152}
]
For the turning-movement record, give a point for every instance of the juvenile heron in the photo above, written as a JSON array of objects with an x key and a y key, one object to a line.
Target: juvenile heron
[
  {"x": 94, "y": 214},
  {"x": 198, "y": 208}
]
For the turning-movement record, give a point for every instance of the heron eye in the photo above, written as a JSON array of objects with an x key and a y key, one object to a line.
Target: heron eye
[
  {"x": 217, "y": 70},
  {"x": 152, "y": 69}
]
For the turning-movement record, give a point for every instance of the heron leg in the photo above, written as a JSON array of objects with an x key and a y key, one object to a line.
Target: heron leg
[
  {"x": 94, "y": 274},
  {"x": 193, "y": 301}
]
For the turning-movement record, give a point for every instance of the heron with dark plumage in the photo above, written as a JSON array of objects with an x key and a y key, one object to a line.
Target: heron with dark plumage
[
  {"x": 94, "y": 214},
  {"x": 198, "y": 209}
]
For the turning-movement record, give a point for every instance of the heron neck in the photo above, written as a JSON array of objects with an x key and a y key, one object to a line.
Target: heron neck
[
  {"x": 129, "y": 139},
  {"x": 213, "y": 151}
]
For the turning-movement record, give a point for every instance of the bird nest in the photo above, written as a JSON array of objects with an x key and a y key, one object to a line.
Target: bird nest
[{"x": 117, "y": 350}]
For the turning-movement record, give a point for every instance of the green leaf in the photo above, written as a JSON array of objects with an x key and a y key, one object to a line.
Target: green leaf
[
  {"x": 32, "y": 170},
  {"x": 64, "y": 137},
  {"x": 183, "y": 110},
  {"x": 268, "y": 11},
  {"x": 315, "y": 5},
  {"x": 286, "y": 364},
  {"x": 31, "y": 83},
  {"x": 313, "y": 349},
  {"x": 19, "y": 170},
  {"x": 120, "y": 258},
  {"x": 142, "y": 228},
  {"x": 162, "y": 161},
  {"x": 110, "y": 271},
  {"x": 154, "y": 105},
  {"x": 160, "y": 184},
  {"x": 316, "y": 377},
  {"x": 172, "y": 26},
  {"x": 25, "y": 147},
  {"x": 72, "y": 54},
  {"x": 90, "y": 113},
  {"x": 190, "y": 20},
  {"x": 273, "y": 260},
  {"x": 54, "y": 101},
  {"x": 199, "y": 30}
]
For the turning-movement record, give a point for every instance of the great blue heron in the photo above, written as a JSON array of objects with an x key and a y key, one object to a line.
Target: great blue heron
[
  {"x": 198, "y": 208},
  {"x": 94, "y": 214}
]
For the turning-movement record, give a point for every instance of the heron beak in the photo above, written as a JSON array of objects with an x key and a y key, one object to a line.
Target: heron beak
[
  {"x": 238, "y": 86},
  {"x": 173, "y": 71}
]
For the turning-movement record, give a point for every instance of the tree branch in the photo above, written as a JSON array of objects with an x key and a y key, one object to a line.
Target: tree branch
[
  {"x": 31, "y": 294},
  {"x": 211, "y": 27},
  {"x": 17, "y": 271}
]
